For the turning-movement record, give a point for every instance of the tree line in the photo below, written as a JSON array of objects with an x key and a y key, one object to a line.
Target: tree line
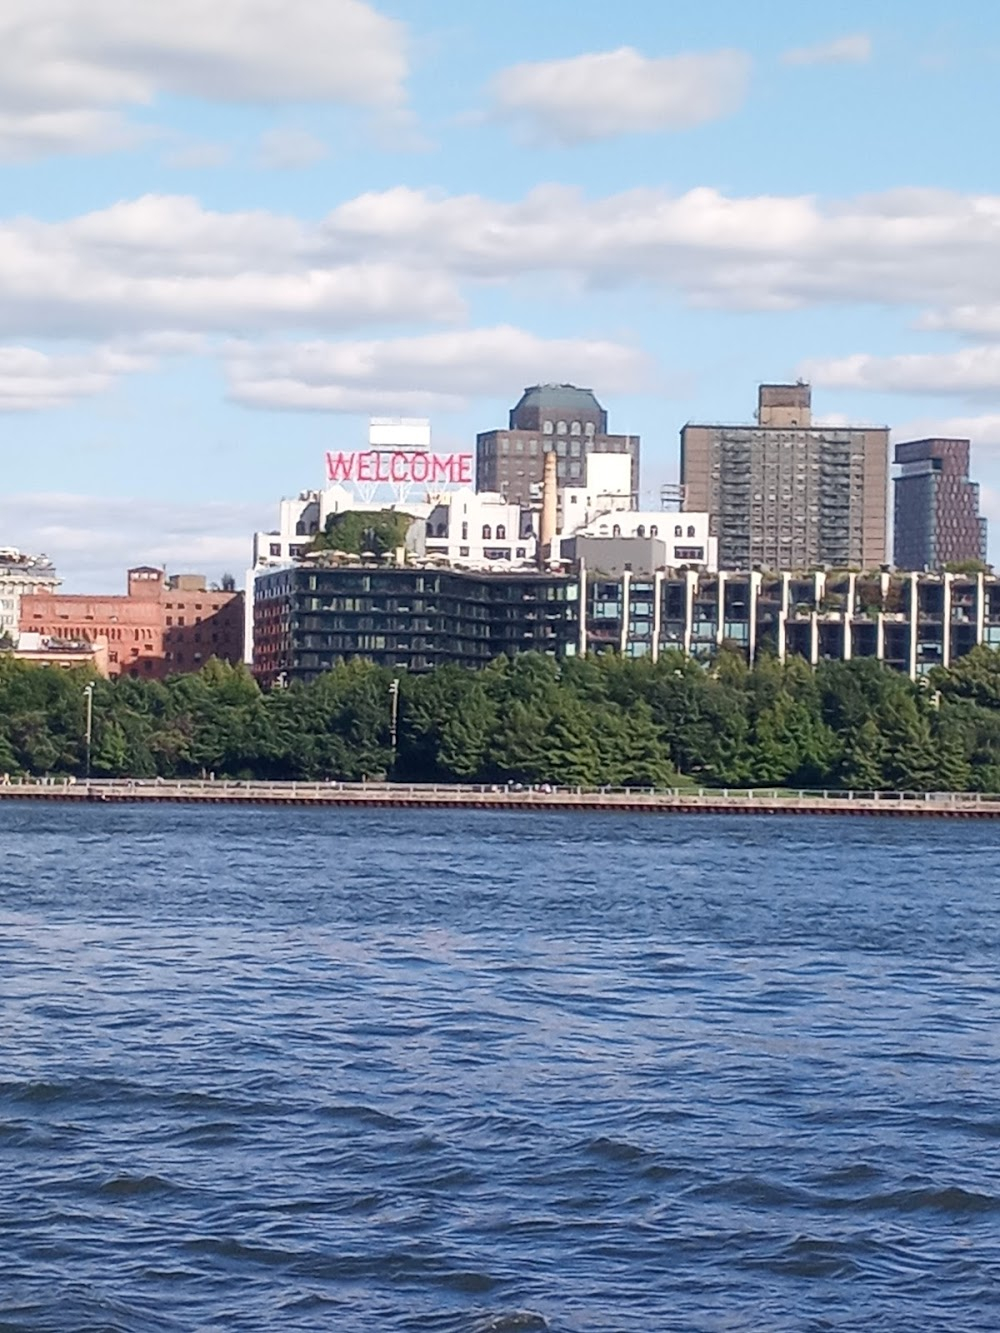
[{"x": 596, "y": 721}]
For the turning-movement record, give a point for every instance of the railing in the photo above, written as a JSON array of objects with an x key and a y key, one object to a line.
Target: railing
[{"x": 150, "y": 788}]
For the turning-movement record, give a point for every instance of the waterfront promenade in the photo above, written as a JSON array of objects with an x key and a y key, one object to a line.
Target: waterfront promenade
[{"x": 770, "y": 801}]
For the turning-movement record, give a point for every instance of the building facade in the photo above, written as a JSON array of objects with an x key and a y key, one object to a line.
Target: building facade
[
  {"x": 936, "y": 509},
  {"x": 414, "y": 620},
  {"x": 21, "y": 574},
  {"x": 307, "y": 619},
  {"x": 160, "y": 627},
  {"x": 557, "y": 417},
  {"x": 784, "y": 493}
]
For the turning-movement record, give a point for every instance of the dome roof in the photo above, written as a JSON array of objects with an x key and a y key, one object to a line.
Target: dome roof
[{"x": 559, "y": 398}]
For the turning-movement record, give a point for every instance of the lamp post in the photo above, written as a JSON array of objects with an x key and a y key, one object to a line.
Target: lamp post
[
  {"x": 88, "y": 694},
  {"x": 393, "y": 722}
]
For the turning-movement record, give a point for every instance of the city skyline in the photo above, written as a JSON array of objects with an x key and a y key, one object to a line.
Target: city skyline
[{"x": 224, "y": 245}]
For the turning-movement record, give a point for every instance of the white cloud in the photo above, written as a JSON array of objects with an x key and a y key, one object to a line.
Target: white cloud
[
  {"x": 901, "y": 247},
  {"x": 970, "y": 371},
  {"x": 60, "y": 57},
  {"x": 93, "y": 539},
  {"x": 28, "y": 135},
  {"x": 165, "y": 263},
  {"x": 32, "y": 380},
  {"x": 855, "y": 49},
  {"x": 598, "y": 96},
  {"x": 289, "y": 148},
  {"x": 404, "y": 255},
  {"x": 438, "y": 372}
]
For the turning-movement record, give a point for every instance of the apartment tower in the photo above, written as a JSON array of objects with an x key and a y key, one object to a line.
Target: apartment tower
[
  {"x": 786, "y": 494},
  {"x": 937, "y": 520}
]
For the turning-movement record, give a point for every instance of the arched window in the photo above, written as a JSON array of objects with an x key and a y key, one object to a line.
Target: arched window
[
  {"x": 641, "y": 530},
  {"x": 560, "y": 428},
  {"x": 588, "y": 430},
  {"x": 487, "y": 532},
  {"x": 501, "y": 533},
  {"x": 546, "y": 427},
  {"x": 574, "y": 428},
  {"x": 678, "y": 531},
  {"x": 616, "y": 531},
  {"x": 654, "y": 531},
  {"x": 465, "y": 532},
  {"x": 690, "y": 530}
]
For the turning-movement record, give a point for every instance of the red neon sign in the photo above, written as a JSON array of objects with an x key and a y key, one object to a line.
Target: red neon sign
[{"x": 399, "y": 466}]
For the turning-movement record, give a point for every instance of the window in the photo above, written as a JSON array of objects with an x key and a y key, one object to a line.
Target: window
[
  {"x": 465, "y": 532},
  {"x": 641, "y": 530},
  {"x": 616, "y": 531},
  {"x": 560, "y": 428},
  {"x": 575, "y": 428},
  {"x": 546, "y": 427},
  {"x": 588, "y": 430},
  {"x": 690, "y": 529},
  {"x": 487, "y": 532},
  {"x": 275, "y": 548},
  {"x": 501, "y": 532},
  {"x": 573, "y": 499},
  {"x": 678, "y": 531},
  {"x": 654, "y": 531}
]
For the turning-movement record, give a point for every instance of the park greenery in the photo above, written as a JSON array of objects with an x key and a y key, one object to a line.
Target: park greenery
[{"x": 597, "y": 721}]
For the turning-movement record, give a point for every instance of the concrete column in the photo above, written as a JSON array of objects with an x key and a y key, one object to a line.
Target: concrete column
[
  {"x": 946, "y": 627},
  {"x": 755, "y": 582},
  {"x": 914, "y": 622},
  {"x": 691, "y": 577},
  {"x": 880, "y": 637},
  {"x": 657, "y": 612},
  {"x": 852, "y": 580},
  {"x": 626, "y": 588},
  {"x": 720, "y": 621},
  {"x": 980, "y": 607},
  {"x": 814, "y": 638},
  {"x": 783, "y": 619},
  {"x": 582, "y": 594}
]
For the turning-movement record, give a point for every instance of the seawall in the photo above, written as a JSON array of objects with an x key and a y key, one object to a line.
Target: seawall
[{"x": 955, "y": 805}]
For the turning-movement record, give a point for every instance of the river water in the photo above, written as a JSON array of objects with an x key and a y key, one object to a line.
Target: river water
[{"x": 281, "y": 1069}]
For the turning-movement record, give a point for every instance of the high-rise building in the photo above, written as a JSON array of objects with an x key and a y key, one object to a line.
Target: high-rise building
[
  {"x": 557, "y": 417},
  {"x": 937, "y": 518},
  {"x": 785, "y": 494}
]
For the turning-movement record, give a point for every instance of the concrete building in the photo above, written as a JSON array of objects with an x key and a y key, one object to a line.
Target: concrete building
[
  {"x": 21, "y": 574},
  {"x": 784, "y": 493},
  {"x": 160, "y": 627},
  {"x": 479, "y": 529},
  {"x": 416, "y": 619},
  {"x": 308, "y": 619},
  {"x": 560, "y": 417},
  {"x": 41, "y": 650},
  {"x": 936, "y": 510}
]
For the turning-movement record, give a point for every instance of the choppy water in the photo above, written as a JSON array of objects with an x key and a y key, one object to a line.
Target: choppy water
[{"x": 397, "y": 1071}]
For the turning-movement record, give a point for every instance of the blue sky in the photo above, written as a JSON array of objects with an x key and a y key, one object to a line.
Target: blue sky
[{"x": 230, "y": 234}]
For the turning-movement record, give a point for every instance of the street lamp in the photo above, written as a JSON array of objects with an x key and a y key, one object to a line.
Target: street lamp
[
  {"x": 88, "y": 694},
  {"x": 393, "y": 721}
]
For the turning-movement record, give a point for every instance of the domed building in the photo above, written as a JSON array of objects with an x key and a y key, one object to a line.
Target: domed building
[{"x": 548, "y": 417}]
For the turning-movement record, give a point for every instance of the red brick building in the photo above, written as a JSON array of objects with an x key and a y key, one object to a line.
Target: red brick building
[{"x": 162, "y": 626}]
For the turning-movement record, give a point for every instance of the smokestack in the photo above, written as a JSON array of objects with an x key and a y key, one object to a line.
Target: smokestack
[{"x": 547, "y": 531}]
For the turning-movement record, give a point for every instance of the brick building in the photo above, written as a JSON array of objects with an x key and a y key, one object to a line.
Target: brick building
[
  {"x": 785, "y": 493},
  {"x": 937, "y": 520},
  {"x": 548, "y": 417},
  {"x": 160, "y": 627}
]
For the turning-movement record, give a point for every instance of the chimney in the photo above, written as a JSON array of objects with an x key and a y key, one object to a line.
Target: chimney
[{"x": 547, "y": 531}]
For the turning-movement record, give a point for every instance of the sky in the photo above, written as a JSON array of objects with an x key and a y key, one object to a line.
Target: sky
[{"x": 230, "y": 233}]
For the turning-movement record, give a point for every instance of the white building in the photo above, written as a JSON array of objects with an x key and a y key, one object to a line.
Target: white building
[
  {"x": 20, "y": 574},
  {"x": 480, "y": 530}
]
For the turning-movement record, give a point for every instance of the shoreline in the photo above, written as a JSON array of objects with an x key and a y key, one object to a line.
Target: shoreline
[{"x": 425, "y": 796}]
